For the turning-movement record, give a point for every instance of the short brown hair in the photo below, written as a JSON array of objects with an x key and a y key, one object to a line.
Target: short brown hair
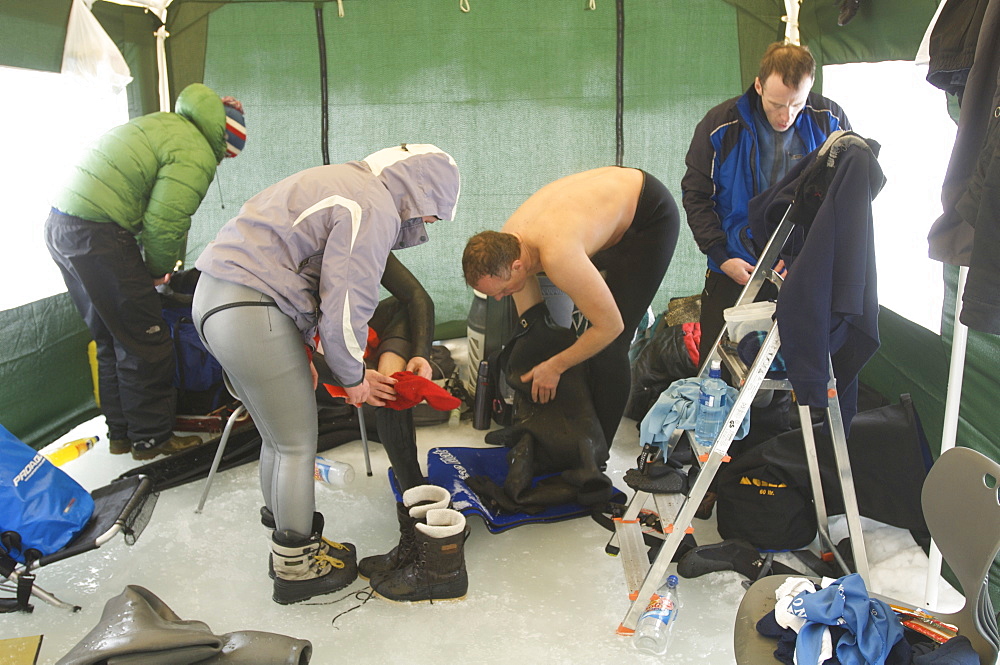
[
  {"x": 791, "y": 62},
  {"x": 489, "y": 253}
]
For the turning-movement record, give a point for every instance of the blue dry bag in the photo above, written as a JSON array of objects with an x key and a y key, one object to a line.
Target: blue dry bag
[{"x": 41, "y": 507}]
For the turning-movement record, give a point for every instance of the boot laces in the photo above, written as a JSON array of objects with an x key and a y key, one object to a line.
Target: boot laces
[
  {"x": 323, "y": 560},
  {"x": 335, "y": 545}
]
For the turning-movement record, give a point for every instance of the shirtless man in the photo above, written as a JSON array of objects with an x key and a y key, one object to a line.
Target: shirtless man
[{"x": 605, "y": 237}]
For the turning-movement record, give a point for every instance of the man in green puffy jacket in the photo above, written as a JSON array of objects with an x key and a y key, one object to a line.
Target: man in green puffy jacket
[{"x": 116, "y": 231}]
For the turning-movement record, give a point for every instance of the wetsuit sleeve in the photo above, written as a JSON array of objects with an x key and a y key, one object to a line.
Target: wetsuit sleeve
[
  {"x": 698, "y": 188},
  {"x": 402, "y": 284}
]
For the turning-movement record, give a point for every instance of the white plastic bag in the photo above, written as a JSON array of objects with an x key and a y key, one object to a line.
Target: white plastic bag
[{"x": 90, "y": 54}]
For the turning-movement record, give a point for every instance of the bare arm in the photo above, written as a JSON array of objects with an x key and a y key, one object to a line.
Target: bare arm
[{"x": 581, "y": 281}]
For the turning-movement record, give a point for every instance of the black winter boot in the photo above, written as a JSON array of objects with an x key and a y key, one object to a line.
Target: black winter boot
[
  {"x": 301, "y": 571},
  {"x": 438, "y": 572},
  {"x": 416, "y": 502},
  {"x": 396, "y": 432}
]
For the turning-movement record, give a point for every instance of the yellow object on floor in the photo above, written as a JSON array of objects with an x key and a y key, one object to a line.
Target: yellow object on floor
[
  {"x": 92, "y": 356},
  {"x": 20, "y": 650}
]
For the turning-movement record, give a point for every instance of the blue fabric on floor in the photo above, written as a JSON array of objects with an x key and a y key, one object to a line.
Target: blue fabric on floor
[{"x": 449, "y": 467}]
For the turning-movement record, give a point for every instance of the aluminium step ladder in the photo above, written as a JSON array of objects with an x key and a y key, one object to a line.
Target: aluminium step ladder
[{"x": 643, "y": 578}]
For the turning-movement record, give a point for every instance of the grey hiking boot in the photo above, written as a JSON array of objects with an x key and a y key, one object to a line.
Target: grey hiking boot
[
  {"x": 301, "y": 571},
  {"x": 120, "y": 446},
  {"x": 146, "y": 449},
  {"x": 348, "y": 552}
]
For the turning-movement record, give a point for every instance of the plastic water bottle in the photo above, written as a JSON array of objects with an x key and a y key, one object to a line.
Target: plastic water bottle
[
  {"x": 71, "y": 450},
  {"x": 332, "y": 472},
  {"x": 712, "y": 407},
  {"x": 656, "y": 625}
]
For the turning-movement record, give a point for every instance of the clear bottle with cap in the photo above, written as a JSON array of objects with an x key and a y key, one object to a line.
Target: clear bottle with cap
[
  {"x": 332, "y": 472},
  {"x": 656, "y": 625},
  {"x": 713, "y": 408}
]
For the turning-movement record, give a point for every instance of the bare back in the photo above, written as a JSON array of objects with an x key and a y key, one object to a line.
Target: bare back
[{"x": 587, "y": 212}]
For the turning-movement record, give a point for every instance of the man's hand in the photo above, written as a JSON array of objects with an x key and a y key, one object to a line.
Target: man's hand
[
  {"x": 314, "y": 373},
  {"x": 421, "y": 367},
  {"x": 160, "y": 281},
  {"x": 358, "y": 394},
  {"x": 738, "y": 270},
  {"x": 544, "y": 378},
  {"x": 382, "y": 390}
]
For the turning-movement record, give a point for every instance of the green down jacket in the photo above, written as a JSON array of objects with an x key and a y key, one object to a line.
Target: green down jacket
[{"x": 150, "y": 175}]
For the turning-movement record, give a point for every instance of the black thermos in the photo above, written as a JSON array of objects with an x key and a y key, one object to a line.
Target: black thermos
[{"x": 481, "y": 412}]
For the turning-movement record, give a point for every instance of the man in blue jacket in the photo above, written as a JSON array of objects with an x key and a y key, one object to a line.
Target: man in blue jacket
[{"x": 740, "y": 148}]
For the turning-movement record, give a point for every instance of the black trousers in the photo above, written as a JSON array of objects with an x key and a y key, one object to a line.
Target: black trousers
[
  {"x": 633, "y": 270},
  {"x": 107, "y": 280}
]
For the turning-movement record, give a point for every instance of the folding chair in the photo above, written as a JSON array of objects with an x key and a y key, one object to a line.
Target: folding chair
[
  {"x": 961, "y": 504},
  {"x": 124, "y": 505}
]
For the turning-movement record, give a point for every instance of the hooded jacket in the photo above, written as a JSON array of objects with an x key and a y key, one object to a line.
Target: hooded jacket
[
  {"x": 722, "y": 164},
  {"x": 150, "y": 175},
  {"x": 317, "y": 242}
]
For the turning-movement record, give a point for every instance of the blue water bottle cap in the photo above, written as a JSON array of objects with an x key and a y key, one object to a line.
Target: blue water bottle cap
[{"x": 672, "y": 581}]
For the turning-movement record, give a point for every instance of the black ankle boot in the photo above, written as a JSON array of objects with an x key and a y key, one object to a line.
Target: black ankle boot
[
  {"x": 438, "y": 572},
  {"x": 417, "y": 501}
]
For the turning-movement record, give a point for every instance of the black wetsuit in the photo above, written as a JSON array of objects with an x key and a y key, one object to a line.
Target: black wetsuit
[{"x": 633, "y": 269}]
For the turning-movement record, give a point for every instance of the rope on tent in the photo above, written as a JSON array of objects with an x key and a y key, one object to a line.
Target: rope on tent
[
  {"x": 592, "y": 4},
  {"x": 464, "y": 5},
  {"x": 620, "y": 84},
  {"x": 340, "y": 8},
  {"x": 324, "y": 94}
]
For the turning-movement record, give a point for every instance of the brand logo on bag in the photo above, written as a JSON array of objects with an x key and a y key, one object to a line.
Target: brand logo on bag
[
  {"x": 757, "y": 482},
  {"x": 766, "y": 487},
  {"x": 28, "y": 471}
]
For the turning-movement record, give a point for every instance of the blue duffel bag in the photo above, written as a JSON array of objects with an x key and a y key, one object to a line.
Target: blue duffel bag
[{"x": 41, "y": 507}]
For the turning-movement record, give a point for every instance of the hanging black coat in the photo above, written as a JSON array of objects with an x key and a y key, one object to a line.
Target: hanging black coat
[{"x": 828, "y": 304}]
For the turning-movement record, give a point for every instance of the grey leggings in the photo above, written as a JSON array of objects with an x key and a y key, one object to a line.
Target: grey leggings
[{"x": 261, "y": 350}]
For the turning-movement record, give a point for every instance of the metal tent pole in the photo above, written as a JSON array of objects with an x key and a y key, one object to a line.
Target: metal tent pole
[{"x": 952, "y": 404}]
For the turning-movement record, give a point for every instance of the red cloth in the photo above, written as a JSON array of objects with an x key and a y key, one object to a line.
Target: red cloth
[
  {"x": 372, "y": 345},
  {"x": 692, "y": 340},
  {"x": 335, "y": 391},
  {"x": 410, "y": 391}
]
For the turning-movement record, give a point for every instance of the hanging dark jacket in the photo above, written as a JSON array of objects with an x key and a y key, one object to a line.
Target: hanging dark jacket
[
  {"x": 828, "y": 304},
  {"x": 968, "y": 231}
]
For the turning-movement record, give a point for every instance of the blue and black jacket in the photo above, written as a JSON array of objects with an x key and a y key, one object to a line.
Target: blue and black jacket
[{"x": 722, "y": 166}]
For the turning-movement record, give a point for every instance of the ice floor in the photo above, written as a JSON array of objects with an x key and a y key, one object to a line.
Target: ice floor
[{"x": 538, "y": 593}]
